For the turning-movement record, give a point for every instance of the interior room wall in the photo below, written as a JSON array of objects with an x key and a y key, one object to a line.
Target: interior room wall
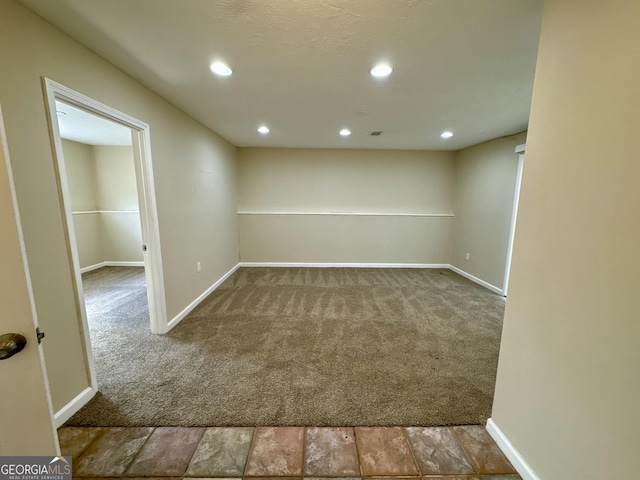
[
  {"x": 104, "y": 203},
  {"x": 568, "y": 385},
  {"x": 194, "y": 173},
  {"x": 483, "y": 203},
  {"x": 81, "y": 174},
  {"x": 117, "y": 196},
  {"x": 298, "y": 184}
]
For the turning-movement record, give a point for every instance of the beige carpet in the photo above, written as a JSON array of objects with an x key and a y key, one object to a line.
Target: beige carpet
[{"x": 297, "y": 346}]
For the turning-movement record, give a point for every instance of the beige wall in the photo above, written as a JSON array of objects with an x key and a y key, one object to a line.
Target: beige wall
[
  {"x": 312, "y": 180},
  {"x": 483, "y": 204},
  {"x": 102, "y": 182},
  {"x": 194, "y": 176},
  {"x": 89, "y": 239},
  {"x": 344, "y": 239},
  {"x": 117, "y": 194},
  {"x": 354, "y": 181},
  {"x": 121, "y": 237},
  {"x": 81, "y": 175},
  {"x": 115, "y": 178},
  {"x": 568, "y": 383}
]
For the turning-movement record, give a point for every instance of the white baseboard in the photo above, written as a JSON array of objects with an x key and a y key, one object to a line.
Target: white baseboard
[
  {"x": 66, "y": 412},
  {"x": 344, "y": 265},
  {"x": 487, "y": 285},
  {"x": 93, "y": 267},
  {"x": 178, "y": 318},
  {"x": 518, "y": 462},
  {"x": 111, "y": 264}
]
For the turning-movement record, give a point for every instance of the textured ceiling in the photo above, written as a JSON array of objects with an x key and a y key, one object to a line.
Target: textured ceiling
[{"x": 301, "y": 66}]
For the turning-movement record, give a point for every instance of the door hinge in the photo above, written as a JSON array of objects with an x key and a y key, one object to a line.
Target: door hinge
[{"x": 39, "y": 335}]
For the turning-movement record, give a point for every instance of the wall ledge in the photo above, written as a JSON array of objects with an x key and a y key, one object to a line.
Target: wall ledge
[
  {"x": 352, "y": 214},
  {"x": 97, "y": 212},
  {"x": 343, "y": 265}
]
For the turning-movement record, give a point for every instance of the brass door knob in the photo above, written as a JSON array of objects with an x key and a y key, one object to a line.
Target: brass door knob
[{"x": 10, "y": 344}]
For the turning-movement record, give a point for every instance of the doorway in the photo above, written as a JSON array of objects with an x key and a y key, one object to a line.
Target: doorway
[
  {"x": 105, "y": 228},
  {"x": 100, "y": 174}
]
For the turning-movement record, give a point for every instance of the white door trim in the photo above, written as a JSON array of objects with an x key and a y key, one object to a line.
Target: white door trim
[
  {"x": 514, "y": 214},
  {"x": 148, "y": 213}
]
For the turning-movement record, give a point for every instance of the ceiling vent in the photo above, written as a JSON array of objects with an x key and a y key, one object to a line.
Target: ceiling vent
[{"x": 375, "y": 133}]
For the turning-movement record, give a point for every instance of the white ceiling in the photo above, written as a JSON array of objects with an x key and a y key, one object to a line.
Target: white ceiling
[
  {"x": 84, "y": 127},
  {"x": 301, "y": 66}
]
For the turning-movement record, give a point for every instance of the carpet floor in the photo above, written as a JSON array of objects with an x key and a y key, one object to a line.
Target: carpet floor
[{"x": 297, "y": 346}]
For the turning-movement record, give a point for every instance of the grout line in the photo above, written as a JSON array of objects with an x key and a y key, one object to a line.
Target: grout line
[
  {"x": 135, "y": 457},
  {"x": 251, "y": 445},
  {"x": 304, "y": 450},
  {"x": 204, "y": 430},
  {"x": 464, "y": 450},
  {"x": 355, "y": 439},
  {"x": 413, "y": 455},
  {"x": 97, "y": 438}
]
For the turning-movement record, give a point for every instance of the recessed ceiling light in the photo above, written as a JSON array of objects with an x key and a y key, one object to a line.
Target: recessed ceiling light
[
  {"x": 221, "y": 69},
  {"x": 381, "y": 70},
  {"x": 263, "y": 129},
  {"x": 446, "y": 134},
  {"x": 345, "y": 132}
]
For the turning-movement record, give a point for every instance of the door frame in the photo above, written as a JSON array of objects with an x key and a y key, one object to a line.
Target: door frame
[
  {"x": 520, "y": 149},
  {"x": 140, "y": 132}
]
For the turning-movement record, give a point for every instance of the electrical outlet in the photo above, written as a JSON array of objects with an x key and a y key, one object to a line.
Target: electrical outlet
[
  {"x": 198, "y": 267},
  {"x": 467, "y": 256}
]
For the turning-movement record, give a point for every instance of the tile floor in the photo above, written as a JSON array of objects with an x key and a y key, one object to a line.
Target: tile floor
[{"x": 264, "y": 453}]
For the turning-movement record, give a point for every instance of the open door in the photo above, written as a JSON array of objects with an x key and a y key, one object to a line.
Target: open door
[{"x": 26, "y": 414}]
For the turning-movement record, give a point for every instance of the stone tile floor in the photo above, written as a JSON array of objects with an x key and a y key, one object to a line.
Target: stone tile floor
[{"x": 454, "y": 453}]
